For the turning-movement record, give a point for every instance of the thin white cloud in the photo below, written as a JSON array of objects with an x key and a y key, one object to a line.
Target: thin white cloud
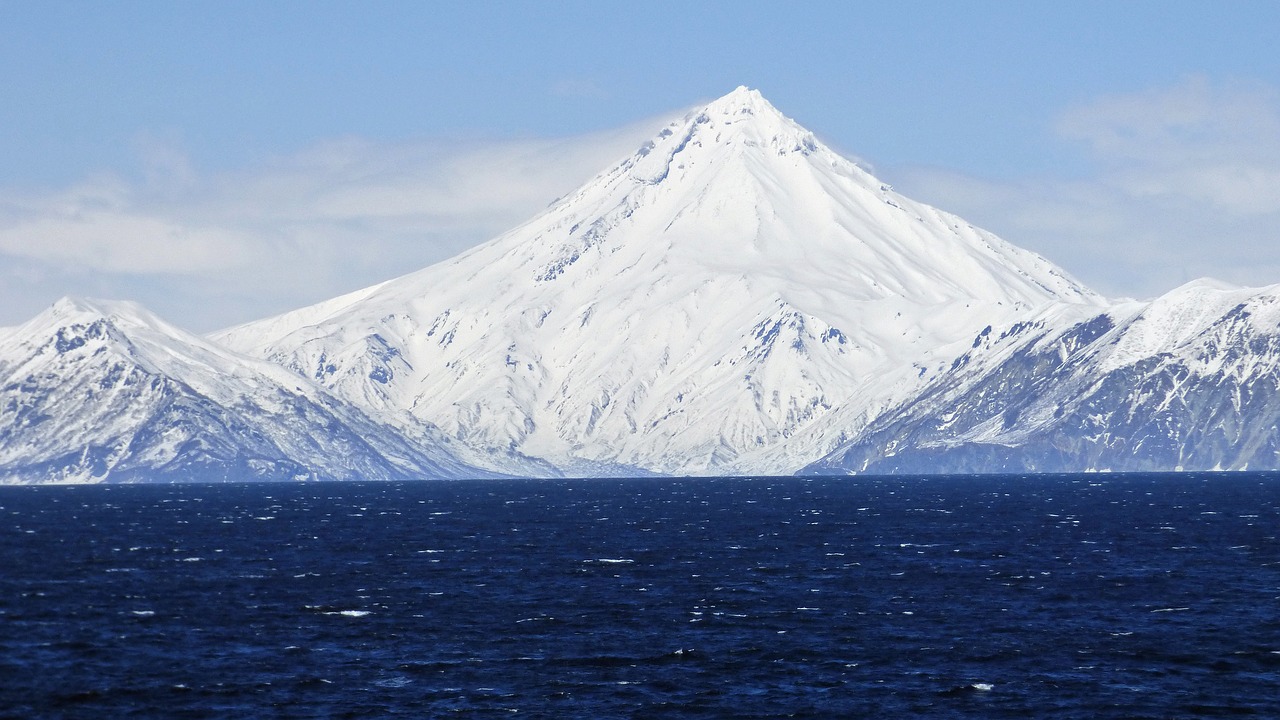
[
  {"x": 209, "y": 251},
  {"x": 123, "y": 240},
  {"x": 1186, "y": 183},
  {"x": 1218, "y": 145}
]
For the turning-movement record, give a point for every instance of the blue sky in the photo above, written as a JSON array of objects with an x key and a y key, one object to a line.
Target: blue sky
[{"x": 191, "y": 155}]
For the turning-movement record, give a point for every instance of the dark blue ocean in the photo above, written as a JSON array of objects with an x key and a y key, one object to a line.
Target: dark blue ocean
[{"x": 1060, "y": 596}]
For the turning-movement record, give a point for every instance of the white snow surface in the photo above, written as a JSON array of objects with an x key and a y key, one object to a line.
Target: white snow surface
[{"x": 700, "y": 307}]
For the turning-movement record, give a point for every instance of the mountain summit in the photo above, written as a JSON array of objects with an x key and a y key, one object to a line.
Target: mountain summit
[{"x": 696, "y": 308}]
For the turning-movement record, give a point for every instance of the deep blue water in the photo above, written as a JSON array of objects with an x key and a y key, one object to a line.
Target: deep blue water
[{"x": 1065, "y": 596}]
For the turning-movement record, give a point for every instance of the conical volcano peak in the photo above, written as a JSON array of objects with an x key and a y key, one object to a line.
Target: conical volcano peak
[
  {"x": 745, "y": 112},
  {"x": 711, "y": 295},
  {"x": 741, "y": 101},
  {"x": 741, "y": 120}
]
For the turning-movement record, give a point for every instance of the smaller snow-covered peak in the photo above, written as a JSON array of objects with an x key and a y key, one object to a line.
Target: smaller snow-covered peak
[
  {"x": 67, "y": 312},
  {"x": 1203, "y": 297},
  {"x": 72, "y": 308},
  {"x": 74, "y": 327},
  {"x": 1178, "y": 319},
  {"x": 1205, "y": 284}
]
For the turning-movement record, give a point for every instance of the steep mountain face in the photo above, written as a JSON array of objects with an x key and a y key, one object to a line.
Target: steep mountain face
[
  {"x": 1190, "y": 381},
  {"x": 700, "y": 307},
  {"x": 107, "y": 392}
]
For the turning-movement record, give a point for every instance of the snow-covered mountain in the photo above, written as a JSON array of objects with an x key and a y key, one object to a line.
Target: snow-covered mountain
[
  {"x": 725, "y": 288},
  {"x": 95, "y": 391},
  {"x": 732, "y": 298},
  {"x": 1189, "y": 381}
]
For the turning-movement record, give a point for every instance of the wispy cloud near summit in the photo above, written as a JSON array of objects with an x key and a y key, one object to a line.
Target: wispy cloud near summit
[{"x": 228, "y": 247}]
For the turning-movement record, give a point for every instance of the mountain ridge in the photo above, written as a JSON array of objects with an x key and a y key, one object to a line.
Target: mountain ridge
[
  {"x": 97, "y": 390},
  {"x": 732, "y": 298},
  {"x": 1189, "y": 381}
]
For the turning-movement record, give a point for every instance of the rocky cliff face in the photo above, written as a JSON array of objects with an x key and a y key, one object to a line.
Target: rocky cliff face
[
  {"x": 1190, "y": 381},
  {"x": 97, "y": 392}
]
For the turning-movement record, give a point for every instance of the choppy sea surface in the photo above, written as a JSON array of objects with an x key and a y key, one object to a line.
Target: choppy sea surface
[{"x": 1060, "y": 596}]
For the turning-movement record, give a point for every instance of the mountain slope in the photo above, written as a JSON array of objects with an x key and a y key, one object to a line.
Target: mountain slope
[
  {"x": 95, "y": 391},
  {"x": 1189, "y": 381},
  {"x": 701, "y": 302}
]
